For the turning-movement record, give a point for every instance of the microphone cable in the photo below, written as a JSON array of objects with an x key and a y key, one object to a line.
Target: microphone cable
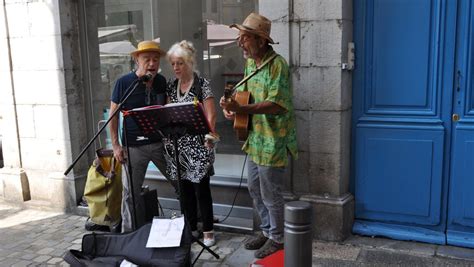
[{"x": 236, "y": 193}]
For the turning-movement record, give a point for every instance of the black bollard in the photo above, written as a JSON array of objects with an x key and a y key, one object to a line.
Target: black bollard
[{"x": 298, "y": 234}]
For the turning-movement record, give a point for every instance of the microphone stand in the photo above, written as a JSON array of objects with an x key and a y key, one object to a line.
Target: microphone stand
[{"x": 114, "y": 113}]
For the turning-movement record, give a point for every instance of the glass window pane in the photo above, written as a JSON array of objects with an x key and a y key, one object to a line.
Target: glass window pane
[{"x": 122, "y": 24}]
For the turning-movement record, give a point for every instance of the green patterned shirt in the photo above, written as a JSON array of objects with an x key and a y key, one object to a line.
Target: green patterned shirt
[{"x": 271, "y": 137}]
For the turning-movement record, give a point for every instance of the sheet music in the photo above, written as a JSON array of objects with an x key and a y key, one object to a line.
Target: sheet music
[{"x": 165, "y": 233}]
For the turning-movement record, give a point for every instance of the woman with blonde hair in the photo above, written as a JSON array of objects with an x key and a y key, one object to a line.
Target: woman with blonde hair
[{"x": 196, "y": 153}]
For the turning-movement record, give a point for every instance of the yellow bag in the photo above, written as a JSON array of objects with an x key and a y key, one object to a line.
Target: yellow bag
[{"x": 103, "y": 190}]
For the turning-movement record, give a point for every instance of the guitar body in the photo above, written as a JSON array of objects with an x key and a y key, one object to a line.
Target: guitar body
[{"x": 242, "y": 121}]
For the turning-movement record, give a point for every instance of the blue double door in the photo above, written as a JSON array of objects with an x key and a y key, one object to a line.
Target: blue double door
[{"x": 413, "y": 120}]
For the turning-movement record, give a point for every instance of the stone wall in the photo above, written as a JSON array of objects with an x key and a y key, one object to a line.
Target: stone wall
[
  {"x": 313, "y": 36},
  {"x": 39, "y": 98}
]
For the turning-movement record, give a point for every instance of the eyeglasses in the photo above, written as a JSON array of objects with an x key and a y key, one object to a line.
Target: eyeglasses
[{"x": 244, "y": 38}]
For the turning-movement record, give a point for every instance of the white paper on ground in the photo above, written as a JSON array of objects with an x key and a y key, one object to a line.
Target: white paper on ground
[
  {"x": 126, "y": 263},
  {"x": 165, "y": 233}
]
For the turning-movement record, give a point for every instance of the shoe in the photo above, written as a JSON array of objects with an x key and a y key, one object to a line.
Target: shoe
[
  {"x": 196, "y": 234},
  {"x": 269, "y": 248},
  {"x": 91, "y": 226},
  {"x": 209, "y": 240},
  {"x": 256, "y": 242}
]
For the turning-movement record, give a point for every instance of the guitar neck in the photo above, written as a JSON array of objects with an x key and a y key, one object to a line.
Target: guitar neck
[{"x": 229, "y": 90}]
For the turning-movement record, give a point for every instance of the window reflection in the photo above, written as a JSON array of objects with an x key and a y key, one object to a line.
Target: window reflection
[{"x": 203, "y": 22}]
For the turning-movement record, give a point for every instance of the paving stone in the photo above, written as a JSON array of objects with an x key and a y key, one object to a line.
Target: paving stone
[
  {"x": 374, "y": 256},
  {"x": 44, "y": 239},
  {"x": 55, "y": 261},
  {"x": 15, "y": 254},
  {"x": 224, "y": 251},
  {"x": 22, "y": 263},
  {"x": 414, "y": 248},
  {"x": 42, "y": 258},
  {"x": 75, "y": 246},
  {"x": 45, "y": 251},
  {"x": 4, "y": 253},
  {"x": 28, "y": 256},
  {"x": 58, "y": 253},
  {"x": 234, "y": 244},
  {"x": 62, "y": 245},
  {"x": 49, "y": 231},
  {"x": 335, "y": 251},
  {"x": 39, "y": 242},
  {"x": 8, "y": 261},
  {"x": 456, "y": 253}
]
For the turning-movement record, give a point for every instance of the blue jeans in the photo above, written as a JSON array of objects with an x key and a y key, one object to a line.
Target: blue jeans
[{"x": 265, "y": 185}]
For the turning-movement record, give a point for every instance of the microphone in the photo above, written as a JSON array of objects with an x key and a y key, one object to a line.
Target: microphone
[{"x": 147, "y": 77}]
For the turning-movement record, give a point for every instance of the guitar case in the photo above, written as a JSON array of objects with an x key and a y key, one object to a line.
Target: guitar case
[{"x": 108, "y": 249}]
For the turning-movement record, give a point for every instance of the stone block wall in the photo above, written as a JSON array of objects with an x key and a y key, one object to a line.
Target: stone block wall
[
  {"x": 39, "y": 39},
  {"x": 313, "y": 36}
]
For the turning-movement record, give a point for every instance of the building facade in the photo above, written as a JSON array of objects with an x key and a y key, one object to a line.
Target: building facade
[
  {"x": 58, "y": 68},
  {"x": 382, "y": 94}
]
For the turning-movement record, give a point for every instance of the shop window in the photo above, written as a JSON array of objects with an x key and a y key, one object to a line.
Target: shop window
[{"x": 122, "y": 24}]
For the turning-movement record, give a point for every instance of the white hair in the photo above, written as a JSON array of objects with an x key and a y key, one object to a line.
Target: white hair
[{"x": 184, "y": 50}]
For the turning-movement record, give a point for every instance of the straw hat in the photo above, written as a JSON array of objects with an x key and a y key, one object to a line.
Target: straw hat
[
  {"x": 148, "y": 46},
  {"x": 256, "y": 24}
]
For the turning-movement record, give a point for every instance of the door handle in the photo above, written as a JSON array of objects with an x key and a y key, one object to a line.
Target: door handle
[{"x": 455, "y": 117}]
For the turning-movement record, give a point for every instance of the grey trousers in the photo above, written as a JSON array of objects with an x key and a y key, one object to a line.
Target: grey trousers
[
  {"x": 140, "y": 157},
  {"x": 265, "y": 185}
]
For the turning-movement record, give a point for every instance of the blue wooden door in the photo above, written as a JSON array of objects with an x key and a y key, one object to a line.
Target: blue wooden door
[
  {"x": 403, "y": 97},
  {"x": 460, "y": 228}
]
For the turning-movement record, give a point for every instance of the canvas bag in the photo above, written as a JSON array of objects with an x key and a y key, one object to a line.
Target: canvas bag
[{"x": 103, "y": 190}]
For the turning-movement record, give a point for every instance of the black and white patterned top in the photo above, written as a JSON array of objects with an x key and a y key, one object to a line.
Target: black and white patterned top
[{"x": 196, "y": 160}]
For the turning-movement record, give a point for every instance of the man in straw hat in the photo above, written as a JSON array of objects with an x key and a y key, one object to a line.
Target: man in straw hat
[
  {"x": 150, "y": 90},
  {"x": 272, "y": 136}
]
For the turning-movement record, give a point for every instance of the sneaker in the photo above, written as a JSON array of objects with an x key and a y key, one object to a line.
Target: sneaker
[
  {"x": 256, "y": 242},
  {"x": 209, "y": 239},
  {"x": 269, "y": 248}
]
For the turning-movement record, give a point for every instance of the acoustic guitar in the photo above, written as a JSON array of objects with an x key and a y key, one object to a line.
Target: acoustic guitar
[{"x": 241, "y": 121}]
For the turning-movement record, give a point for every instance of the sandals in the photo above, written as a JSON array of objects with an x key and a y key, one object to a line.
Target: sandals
[
  {"x": 256, "y": 242},
  {"x": 269, "y": 248}
]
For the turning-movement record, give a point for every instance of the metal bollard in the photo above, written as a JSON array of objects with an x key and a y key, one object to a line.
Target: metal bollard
[{"x": 298, "y": 234}]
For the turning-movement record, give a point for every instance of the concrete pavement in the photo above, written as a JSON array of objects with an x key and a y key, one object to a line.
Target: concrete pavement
[{"x": 31, "y": 237}]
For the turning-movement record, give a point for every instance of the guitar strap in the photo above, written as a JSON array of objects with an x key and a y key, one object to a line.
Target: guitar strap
[{"x": 256, "y": 71}]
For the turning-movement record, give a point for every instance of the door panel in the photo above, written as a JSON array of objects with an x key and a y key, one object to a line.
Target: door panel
[
  {"x": 386, "y": 191},
  {"x": 402, "y": 107},
  {"x": 401, "y": 73},
  {"x": 461, "y": 199}
]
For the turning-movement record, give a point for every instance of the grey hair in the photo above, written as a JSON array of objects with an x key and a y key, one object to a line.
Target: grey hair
[{"x": 184, "y": 50}]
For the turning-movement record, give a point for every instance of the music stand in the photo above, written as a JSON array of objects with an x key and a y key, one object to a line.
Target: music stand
[{"x": 174, "y": 120}]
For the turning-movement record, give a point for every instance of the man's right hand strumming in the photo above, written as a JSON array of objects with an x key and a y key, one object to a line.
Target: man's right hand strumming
[{"x": 230, "y": 115}]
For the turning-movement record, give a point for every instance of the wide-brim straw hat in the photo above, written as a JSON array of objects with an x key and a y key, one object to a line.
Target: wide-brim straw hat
[
  {"x": 148, "y": 46},
  {"x": 256, "y": 24}
]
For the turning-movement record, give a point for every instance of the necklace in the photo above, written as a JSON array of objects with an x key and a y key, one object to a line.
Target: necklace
[{"x": 178, "y": 90}]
